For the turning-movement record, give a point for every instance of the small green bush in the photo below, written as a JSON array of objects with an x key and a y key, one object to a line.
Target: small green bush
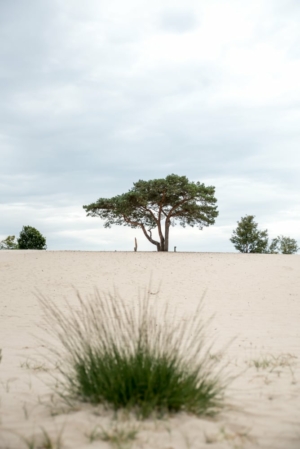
[
  {"x": 9, "y": 243},
  {"x": 283, "y": 245},
  {"x": 134, "y": 357},
  {"x": 31, "y": 238}
]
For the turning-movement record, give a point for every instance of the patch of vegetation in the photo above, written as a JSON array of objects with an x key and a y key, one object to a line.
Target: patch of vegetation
[
  {"x": 31, "y": 238},
  {"x": 135, "y": 358},
  {"x": 284, "y": 245},
  {"x": 246, "y": 238},
  {"x": 44, "y": 441},
  {"x": 119, "y": 436},
  {"x": 237, "y": 437},
  {"x": 33, "y": 365},
  {"x": 9, "y": 243},
  {"x": 272, "y": 362}
]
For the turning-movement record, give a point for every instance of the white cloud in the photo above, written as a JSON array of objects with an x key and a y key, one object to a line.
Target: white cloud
[{"x": 97, "y": 96}]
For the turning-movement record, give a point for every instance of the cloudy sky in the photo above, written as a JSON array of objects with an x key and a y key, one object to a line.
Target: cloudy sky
[{"x": 96, "y": 95}]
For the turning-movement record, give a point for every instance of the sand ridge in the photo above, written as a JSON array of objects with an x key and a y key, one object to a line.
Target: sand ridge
[{"x": 255, "y": 298}]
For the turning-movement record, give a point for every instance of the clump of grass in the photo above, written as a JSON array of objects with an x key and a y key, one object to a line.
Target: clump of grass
[
  {"x": 134, "y": 357},
  {"x": 271, "y": 361},
  {"x": 261, "y": 363},
  {"x": 237, "y": 437},
  {"x": 44, "y": 441},
  {"x": 118, "y": 435},
  {"x": 35, "y": 366}
]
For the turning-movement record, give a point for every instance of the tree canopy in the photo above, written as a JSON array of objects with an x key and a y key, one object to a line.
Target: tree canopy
[
  {"x": 246, "y": 238},
  {"x": 31, "y": 238},
  {"x": 283, "y": 245},
  {"x": 9, "y": 243},
  {"x": 158, "y": 204}
]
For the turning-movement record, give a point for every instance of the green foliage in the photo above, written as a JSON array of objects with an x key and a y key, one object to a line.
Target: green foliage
[
  {"x": 247, "y": 238},
  {"x": 9, "y": 243},
  {"x": 283, "y": 245},
  {"x": 136, "y": 359},
  {"x": 44, "y": 441},
  {"x": 272, "y": 362},
  {"x": 31, "y": 238},
  {"x": 119, "y": 435},
  {"x": 173, "y": 200}
]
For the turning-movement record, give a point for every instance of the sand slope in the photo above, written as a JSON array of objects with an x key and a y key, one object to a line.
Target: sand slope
[{"x": 255, "y": 298}]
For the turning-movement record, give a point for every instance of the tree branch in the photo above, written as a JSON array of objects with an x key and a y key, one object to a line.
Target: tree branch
[
  {"x": 177, "y": 205},
  {"x": 151, "y": 213},
  {"x": 136, "y": 223}
]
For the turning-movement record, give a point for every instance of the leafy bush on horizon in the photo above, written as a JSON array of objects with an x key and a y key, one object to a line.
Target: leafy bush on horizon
[
  {"x": 31, "y": 238},
  {"x": 134, "y": 358},
  {"x": 9, "y": 243},
  {"x": 246, "y": 238},
  {"x": 283, "y": 245}
]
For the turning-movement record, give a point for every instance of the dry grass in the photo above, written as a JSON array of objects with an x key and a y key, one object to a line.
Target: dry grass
[
  {"x": 272, "y": 362},
  {"x": 119, "y": 435},
  {"x": 140, "y": 358}
]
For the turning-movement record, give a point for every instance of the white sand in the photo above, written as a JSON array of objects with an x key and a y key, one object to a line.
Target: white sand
[{"x": 256, "y": 298}]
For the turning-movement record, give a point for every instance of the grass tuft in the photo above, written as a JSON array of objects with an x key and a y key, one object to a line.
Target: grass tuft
[
  {"x": 119, "y": 435},
  {"x": 272, "y": 362},
  {"x": 35, "y": 366},
  {"x": 44, "y": 441},
  {"x": 134, "y": 357}
]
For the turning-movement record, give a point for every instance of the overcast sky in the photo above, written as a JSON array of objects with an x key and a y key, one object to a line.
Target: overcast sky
[{"x": 96, "y": 95}]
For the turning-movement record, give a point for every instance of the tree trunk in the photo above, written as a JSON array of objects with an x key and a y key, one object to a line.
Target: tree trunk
[
  {"x": 166, "y": 242},
  {"x": 161, "y": 236},
  {"x": 162, "y": 243},
  {"x": 149, "y": 237}
]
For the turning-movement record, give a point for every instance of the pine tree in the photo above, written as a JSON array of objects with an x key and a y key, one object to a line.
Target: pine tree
[
  {"x": 159, "y": 204},
  {"x": 247, "y": 238}
]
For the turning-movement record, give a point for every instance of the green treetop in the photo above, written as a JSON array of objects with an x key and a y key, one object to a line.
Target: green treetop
[
  {"x": 283, "y": 245},
  {"x": 246, "y": 238},
  {"x": 158, "y": 204},
  {"x": 31, "y": 238},
  {"x": 9, "y": 243}
]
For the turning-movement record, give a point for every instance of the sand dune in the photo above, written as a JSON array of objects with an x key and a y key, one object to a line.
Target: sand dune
[{"x": 255, "y": 298}]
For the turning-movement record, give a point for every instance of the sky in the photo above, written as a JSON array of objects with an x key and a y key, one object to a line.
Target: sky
[{"x": 96, "y": 95}]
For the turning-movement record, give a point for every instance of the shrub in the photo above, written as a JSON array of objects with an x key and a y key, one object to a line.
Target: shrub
[
  {"x": 31, "y": 238},
  {"x": 134, "y": 358},
  {"x": 284, "y": 245},
  {"x": 9, "y": 243},
  {"x": 246, "y": 238}
]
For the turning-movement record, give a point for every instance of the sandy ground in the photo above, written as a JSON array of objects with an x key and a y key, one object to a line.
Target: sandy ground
[{"x": 255, "y": 298}]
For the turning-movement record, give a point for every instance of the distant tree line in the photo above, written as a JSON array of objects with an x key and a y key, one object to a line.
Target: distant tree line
[
  {"x": 30, "y": 238},
  {"x": 247, "y": 238},
  {"x": 159, "y": 204}
]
